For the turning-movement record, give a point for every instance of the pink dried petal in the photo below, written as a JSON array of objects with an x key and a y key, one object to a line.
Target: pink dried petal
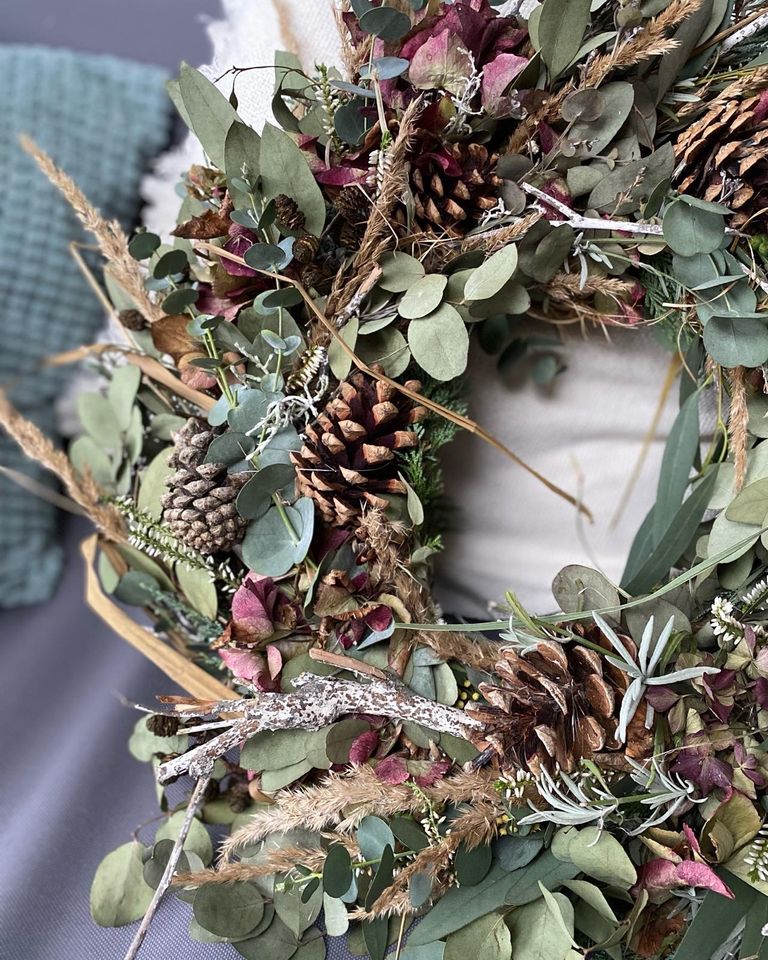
[
  {"x": 244, "y": 664},
  {"x": 497, "y": 76},
  {"x": 427, "y": 773},
  {"x": 693, "y": 874},
  {"x": 274, "y": 661}
]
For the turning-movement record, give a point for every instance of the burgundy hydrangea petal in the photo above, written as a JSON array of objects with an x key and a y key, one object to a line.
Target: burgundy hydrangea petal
[
  {"x": 380, "y": 618},
  {"x": 363, "y": 747},
  {"x": 497, "y": 76},
  {"x": 761, "y": 692},
  {"x": 239, "y": 243},
  {"x": 274, "y": 661},
  {"x": 340, "y": 176},
  {"x": 392, "y": 770},
  {"x": 208, "y": 302},
  {"x": 244, "y": 664},
  {"x": 432, "y": 772}
]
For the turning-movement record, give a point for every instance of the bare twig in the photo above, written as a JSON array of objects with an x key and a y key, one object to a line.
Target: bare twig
[
  {"x": 165, "y": 881},
  {"x": 318, "y": 702}
]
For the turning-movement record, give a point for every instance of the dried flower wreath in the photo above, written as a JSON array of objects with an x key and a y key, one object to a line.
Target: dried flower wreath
[{"x": 263, "y": 469}]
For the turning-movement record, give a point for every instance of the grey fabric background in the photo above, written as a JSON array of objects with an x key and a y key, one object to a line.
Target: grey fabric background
[{"x": 69, "y": 789}]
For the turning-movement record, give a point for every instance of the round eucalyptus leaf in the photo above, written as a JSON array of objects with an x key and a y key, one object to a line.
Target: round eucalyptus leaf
[
  {"x": 423, "y": 297},
  {"x": 386, "y": 23},
  {"x": 472, "y": 865},
  {"x": 154, "y": 868},
  {"x": 399, "y": 271},
  {"x": 489, "y": 278},
  {"x": 350, "y": 122},
  {"x": 385, "y": 68},
  {"x": 171, "y": 263},
  {"x": 264, "y": 256},
  {"x": 586, "y": 104},
  {"x": 228, "y": 910},
  {"x": 229, "y": 448},
  {"x": 143, "y": 245},
  {"x": 279, "y": 539},
  {"x": 179, "y": 300},
  {"x": 736, "y": 341},
  {"x": 86, "y": 454},
  {"x": 387, "y": 347},
  {"x": 100, "y": 420},
  {"x": 419, "y": 889},
  {"x": 373, "y": 835},
  {"x": 119, "y": 894},
  {"x": 690, "y": 230},
  {"x": 136, "y": 589},
  {"x": 255, "y": 498},
  {"x": 440, "y": 343}
]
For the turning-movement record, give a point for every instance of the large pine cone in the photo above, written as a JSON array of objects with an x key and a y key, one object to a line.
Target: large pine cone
[
  {"x": 723, "y": 157},
  {"x": 554, "y": 706},
  {"x": 348, "y": 457},
  {"x": 199, "y": 507},
  {"x": 452, "y": 188}
]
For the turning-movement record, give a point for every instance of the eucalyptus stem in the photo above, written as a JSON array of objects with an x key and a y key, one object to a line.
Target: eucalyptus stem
[{"x": 285, "y": 518}]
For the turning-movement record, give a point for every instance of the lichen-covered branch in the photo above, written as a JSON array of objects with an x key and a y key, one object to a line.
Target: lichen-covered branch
[{"x": 318, "y": 702}]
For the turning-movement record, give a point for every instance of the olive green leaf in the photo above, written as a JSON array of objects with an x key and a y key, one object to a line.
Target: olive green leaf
[
  {"x": 198, "y": 587},
  {"x": 423, "y": 297},
  {"x": 488, "y": 279},
  {"x": 209, "y": 114},
  {"x": 230, "y": 910},
  {"x": 440, "y": 343},
  {"x": 284, "y": 169},
  {"x": 487, "y": 937},
  {"x": 596, "y": 853},
  {"x": 198, "y": 840},
  {"x": 119, "y": 894},
  {"x": 736, "y": 341},
  {"x": 561, "y": 29},
  {"x": 399, "y": 272},
  {"x": 242, "y": 150},
  {"x": 535, "y": 933},
  {"x": 751, "y": 504}
]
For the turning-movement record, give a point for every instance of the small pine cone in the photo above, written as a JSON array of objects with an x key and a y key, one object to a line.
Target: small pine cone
[
  {"x": 162, "y": 725},
  {"x": 454, "y": 191},
  {"x": 133, "y": 320},
  {"x": 353, "y": 205},
  {"x": 350, "y": 235},
  {"x": 199, "y": 508},
  {"x": 555, "y": 705},
  {"x": 288, "y": 212},
  {"x": 348, "y": 458},
  {"x": 723, "y": 157},
  {"x": 305, "y": 248},
  {"x": 311, "y": 274}
]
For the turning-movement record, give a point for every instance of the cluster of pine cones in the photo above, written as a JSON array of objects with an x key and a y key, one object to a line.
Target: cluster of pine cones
[{"x": 348, "y": 460}]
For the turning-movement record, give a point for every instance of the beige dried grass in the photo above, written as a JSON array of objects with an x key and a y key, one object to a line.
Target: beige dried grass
[{"x": 109, "y": 235}]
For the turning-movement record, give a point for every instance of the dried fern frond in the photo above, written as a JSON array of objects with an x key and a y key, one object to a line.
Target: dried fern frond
[{"x": 109, "y": 235}]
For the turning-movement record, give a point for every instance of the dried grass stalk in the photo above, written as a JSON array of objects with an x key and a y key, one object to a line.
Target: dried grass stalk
[
  {"x": 651, "y": 41},
  {"x": 342, "y": 800},
  {"x": 738, "y": 420},
  {"x": 275, "y": 861},
  {"x": 82, "y": 489},
  {"x": 109, "y": 235},
  {"x": 378, "y": 232},
  {"x": 476, "y": 826}
]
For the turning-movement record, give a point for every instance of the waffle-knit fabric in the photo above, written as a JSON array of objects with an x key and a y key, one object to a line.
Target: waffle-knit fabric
[{"x": 102, "y": 120}]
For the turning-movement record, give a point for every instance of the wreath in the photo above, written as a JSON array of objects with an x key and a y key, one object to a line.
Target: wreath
[{"x": 263, "y": 470}]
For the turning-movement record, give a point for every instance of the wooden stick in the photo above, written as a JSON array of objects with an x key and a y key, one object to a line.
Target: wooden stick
[
  {"x": 464, "y": 422},
  {"x": 170, "y": 868}
]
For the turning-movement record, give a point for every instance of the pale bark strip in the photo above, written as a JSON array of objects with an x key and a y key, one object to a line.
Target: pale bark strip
[
  {"x": 318, "y": 702},
  {"x": 165, "y": 881}
]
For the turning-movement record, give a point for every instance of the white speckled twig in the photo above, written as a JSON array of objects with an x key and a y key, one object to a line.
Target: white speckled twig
[{"x": 318, "y": 702}]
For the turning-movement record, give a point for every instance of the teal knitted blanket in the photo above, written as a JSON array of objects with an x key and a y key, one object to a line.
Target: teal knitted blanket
[{"x": 102, "y": 120}]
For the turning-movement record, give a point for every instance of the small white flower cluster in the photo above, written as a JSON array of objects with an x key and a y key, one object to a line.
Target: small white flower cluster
[
  {"x": 757, "y": 858},
  {"x": 379, "y": 166},
  {"x": 756, "y": 596},
  {"x": 513, "y": 786},
  {"x": 724, "y": 624}
]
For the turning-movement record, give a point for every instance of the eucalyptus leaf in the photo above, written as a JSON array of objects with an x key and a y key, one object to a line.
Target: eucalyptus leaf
[
  {"x": 373, "y": 835},
  {"x": 535, "y": 935},
  {"x": 487, "y": 938},
  {"x": 198, "y": 840},
  {"x": 98, "y": 417},
  {"x": 285, "y": 171},
  {"x": 691, "y": 230},
  {"x": 199, "y": 588},
  {"x": 596, "y": 853},
  {"x": 488, "y": 279},
  {"x": 208, "y": 112},
  {"x": 680, "y": 451},
  {"x": 119, "y": 893},
  {"x": 121, "y": 392},
  {"x": 423, "y": 297},
  {"x": 230, "y": 910},
  {"x": 440, "y": 343},
  {"x": 737, "y": 342},
  {"x": 399, "y": 272},
  {"x": 561, "y": 29}
]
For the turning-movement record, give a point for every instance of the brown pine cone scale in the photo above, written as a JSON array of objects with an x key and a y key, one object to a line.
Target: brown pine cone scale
[{"x": 348, "y": 458}]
